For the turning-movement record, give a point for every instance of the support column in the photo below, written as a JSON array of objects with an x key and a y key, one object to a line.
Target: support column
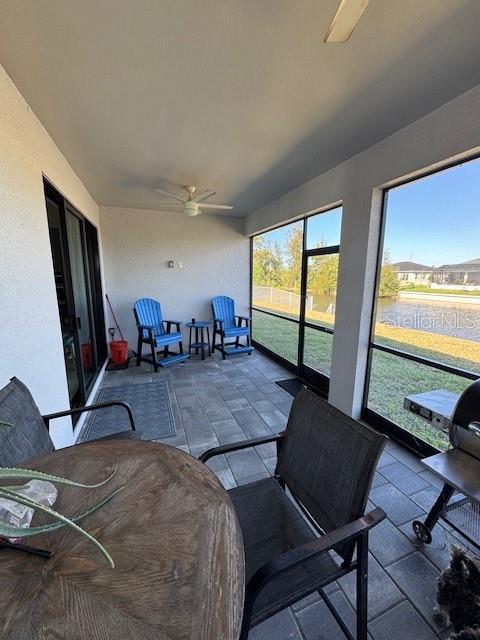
[{"x": 356, "y": 282}]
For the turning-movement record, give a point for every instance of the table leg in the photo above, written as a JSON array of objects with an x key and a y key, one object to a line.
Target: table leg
[
  {"x": 208, "y": 340},
  {"x": 203, "y": 343},
  {"x": 190, "y": 341},
  {"x": 196, "y": 340}
]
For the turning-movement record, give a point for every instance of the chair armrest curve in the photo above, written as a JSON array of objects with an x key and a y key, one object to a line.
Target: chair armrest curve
[{"x": 238, "y": 446}]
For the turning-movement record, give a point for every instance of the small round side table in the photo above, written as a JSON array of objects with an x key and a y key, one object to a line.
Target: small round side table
[{"x": 199, "y": 343}]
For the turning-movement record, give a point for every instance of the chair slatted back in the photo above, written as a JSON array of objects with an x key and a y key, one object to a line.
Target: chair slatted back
[
  {"x": 149, "y": 312},
  {"x": 328, "y": 460},
  {"x": 224, "y": 309},
  {"x": 28, "y": 436}
]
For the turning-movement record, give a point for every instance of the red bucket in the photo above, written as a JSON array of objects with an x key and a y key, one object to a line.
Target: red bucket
[{"x": 119, "y": 349}]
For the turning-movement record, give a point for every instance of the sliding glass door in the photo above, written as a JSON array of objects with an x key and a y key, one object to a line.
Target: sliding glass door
[
  {"x": 294, "y": 283},
  {"x": 74, "y": 248}
]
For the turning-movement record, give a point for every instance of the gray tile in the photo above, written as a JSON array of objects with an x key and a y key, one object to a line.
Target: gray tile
[
  {"x": 417, "y": 578},
  {"x": 382, "y": 592},
  {"x": 226, "y": 478},
  {"x": 317, "y": 623},
  {"x": 426, "y": 498},
  {"x": 432, "y": 478},
  {"x": 408, "y": 459},
  {"x": 238, "y": 403},
  {"x": 245, "y": 465},
  {"x": 388, "y": 544},
  {"x": 268, "y": 450},
  {"x": 276, "y": 420},
  {"x": 216, "y": 415},
  {"x": 385, "y": 459},
  {"x": 245, "y": 416},
  {"x": 404, "y": 478},
  {"x": 281, "y": 626},
  {"x": 401, "y": 623},
  {"x": 438, "y": 551},
  {"x": 378, "y": 480},
  {"x": 398, "y": 507}
]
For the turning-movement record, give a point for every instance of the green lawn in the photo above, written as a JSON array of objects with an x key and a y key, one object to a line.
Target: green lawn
[
  {"x": 392, "y": 377},
  {"x": 423, "y": 288}
]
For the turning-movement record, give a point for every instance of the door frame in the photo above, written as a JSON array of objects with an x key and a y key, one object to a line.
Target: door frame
[
  {"x": 319, "y": 381},
  {"x": 93, "y": 289}
]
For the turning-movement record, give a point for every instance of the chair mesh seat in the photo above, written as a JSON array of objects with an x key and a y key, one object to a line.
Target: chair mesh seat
[{"x": 271, "y": 525}]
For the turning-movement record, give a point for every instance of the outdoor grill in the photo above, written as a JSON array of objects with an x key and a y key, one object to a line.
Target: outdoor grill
[{"x": 459, "y": 467}]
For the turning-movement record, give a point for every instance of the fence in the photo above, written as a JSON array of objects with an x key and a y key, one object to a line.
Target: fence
[{"x": 269, "y": 296}]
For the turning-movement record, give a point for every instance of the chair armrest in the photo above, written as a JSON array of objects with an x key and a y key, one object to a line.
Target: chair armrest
[
  {"x": 170, "y": 322},
  {"x": 305, "y": 552},
  {"x": 237, "y": 446},
  {"x": 220, "y": 322},
  {"x": 146, "y": 326},
  {"x": 248, "y": 318},
  {"x": 91, "y": 407}
]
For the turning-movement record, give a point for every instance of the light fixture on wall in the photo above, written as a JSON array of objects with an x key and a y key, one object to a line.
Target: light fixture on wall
[{"x": 345, "y": 20}]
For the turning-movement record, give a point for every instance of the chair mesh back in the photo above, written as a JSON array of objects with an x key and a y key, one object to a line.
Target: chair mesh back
[
  {"x": 149, "y": 312},
  {"x": 224, "y": 309},
  {"x": 28, "y": 437},
  {"x": 328, "y": 460}
]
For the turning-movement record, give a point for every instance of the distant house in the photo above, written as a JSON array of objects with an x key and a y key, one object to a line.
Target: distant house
[
  {"x": 463, "y": 273},
  {"x": 413, "y": 273}
]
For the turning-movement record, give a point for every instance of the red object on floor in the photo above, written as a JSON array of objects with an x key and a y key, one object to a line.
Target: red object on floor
[
  {"x": 87, "y": 355},
  {"x": 119, "y": 349}
]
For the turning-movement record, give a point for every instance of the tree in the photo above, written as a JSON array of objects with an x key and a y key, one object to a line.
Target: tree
[
  {"x": 323, "y": 275},
  {"x": 389, "y": 284},
  {"x": 293, "y": 267},
  {"x": 268, "y": 264}
]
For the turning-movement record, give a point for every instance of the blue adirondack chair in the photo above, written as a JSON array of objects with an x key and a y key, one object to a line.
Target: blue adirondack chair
[
  {"x": 226, "y": 324},
  {"x": 157, "y": 332}
]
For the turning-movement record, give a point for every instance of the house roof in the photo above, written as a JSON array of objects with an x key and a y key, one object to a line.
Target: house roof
[
  {"x": 469, "y": 264},
  {"x": 411, "y": 266}
]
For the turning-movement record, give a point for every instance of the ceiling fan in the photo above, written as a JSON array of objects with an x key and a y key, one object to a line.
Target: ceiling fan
[
  {"x": 345, "y": 20},
  {"x": 193, "y": 204}
]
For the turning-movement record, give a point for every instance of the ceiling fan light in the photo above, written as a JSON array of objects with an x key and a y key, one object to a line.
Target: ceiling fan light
[
  {"x": 345, "y": 20},
  {"x": 190, "y": 208}
]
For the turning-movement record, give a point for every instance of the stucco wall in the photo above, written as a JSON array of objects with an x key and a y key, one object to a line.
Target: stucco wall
[
  {"x": 30, "y": 335},
  {"x": 137, "y": 244},
  {"x": 448, "y": 133}
]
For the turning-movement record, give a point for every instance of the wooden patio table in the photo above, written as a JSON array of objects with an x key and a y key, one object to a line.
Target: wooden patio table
[{"x": 173, "y": 535}]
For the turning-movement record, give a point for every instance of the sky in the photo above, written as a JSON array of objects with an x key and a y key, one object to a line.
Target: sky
[
  {"x": 436, "y": 220},
  {"x": 433, "y": 220}
]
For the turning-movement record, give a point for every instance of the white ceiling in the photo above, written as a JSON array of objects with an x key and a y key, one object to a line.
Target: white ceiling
[{"x": 241, "y": 96}]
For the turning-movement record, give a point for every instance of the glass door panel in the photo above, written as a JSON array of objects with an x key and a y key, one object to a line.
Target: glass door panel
[
  {"x": 322, "y": 275},
  {"x": 64, "y": 299},
  {"x": 81, "y": 302}
]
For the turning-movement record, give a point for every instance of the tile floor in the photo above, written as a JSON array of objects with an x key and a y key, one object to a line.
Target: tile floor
[{"x": 216, "y": 402}]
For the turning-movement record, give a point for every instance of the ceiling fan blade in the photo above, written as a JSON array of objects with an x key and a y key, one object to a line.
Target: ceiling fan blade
[
  {"x": 345, "y": 20},
  {"x": 207, "y": 193},
  {"x": 174, "y": 205},
  {"x": 170, "y": 195},
  {"x": 215, "y": 206}
]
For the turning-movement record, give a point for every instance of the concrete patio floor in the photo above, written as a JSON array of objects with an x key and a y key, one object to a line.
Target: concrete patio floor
[{"x": 217, "y": 402}]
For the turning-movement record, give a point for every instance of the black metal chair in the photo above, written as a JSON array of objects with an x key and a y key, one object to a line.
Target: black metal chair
[
  {"x": 326, "y": 460},
  {"x": 28, "y": 436}
]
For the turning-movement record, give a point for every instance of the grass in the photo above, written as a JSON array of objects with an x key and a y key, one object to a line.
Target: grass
[
  {"x": 464, "y": 354},
  {"x": 423, "y": 288},
  {"x": 392, "y": 377}
]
